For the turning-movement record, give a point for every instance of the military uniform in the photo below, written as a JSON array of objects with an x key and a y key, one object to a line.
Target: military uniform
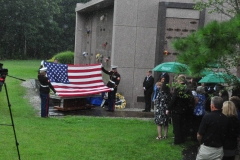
[
  {"x": 114, "y": 80},
  {"x": 45, "y": 87}
]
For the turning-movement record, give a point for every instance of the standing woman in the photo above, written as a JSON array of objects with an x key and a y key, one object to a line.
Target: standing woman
[
  {"x": 236, "y": 101},
  {"x": 161, "y": 118},
  {"x": 156, "y": 89},
  {"x": 158, "y": 86},
  {"x": 231, "y": 139},
  {"x": 179, "y": 106},
  {"x": 199, "y": 109},
  {"x": 45, "y": 87}
]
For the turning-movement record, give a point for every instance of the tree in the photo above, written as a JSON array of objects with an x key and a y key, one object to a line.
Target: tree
[
  {"x": 229, "y": 8},
  {"x": 217, "y": 42},
  {"x": 66, "y": 21},
  {"x": 36, "y": 28}
]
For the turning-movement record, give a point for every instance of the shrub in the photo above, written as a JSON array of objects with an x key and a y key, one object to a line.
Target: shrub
[{"x": 66, "y": 57}]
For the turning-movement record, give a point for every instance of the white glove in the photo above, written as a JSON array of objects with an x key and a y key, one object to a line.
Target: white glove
[
  {"x": 101, "y": 65},
  {"x": 56, "y": 94},
  {"x": 112, "y": 89}
]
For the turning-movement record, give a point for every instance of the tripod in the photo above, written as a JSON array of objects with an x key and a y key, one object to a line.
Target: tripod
[{"x": 10, "y": 111}]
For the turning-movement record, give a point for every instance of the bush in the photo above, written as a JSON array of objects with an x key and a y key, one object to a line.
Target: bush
[{"x": 66, "y": 57}]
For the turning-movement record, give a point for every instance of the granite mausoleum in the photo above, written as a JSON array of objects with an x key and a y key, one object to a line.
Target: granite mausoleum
[{"x": 135, "y": 35}]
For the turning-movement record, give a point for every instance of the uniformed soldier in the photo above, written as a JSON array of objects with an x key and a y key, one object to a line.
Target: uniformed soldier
[
  {"x": 114, "y": 80},
  {"x": 45, "y": 87}
]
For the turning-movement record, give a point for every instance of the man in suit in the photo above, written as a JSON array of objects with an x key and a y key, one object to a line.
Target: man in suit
[{"x": 148, "y": 89}]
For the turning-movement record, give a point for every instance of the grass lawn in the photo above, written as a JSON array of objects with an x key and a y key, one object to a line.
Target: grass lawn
[{"x": 73, "y": 137}]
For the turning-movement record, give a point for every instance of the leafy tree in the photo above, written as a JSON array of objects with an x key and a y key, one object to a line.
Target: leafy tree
[
  {"x": 36, "y": 28},
  {"x": 228, "y": 7},
  {"x": 217, "y": 42},
  {"x": 27, "y": 26},
  {"x": 66, "y": 21}
]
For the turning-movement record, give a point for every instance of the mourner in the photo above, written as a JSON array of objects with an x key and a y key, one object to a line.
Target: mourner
[
  {"x": 148, "y": 89},
  {"x": 212, "y": 132},
  {"x": 45, "y": 87},
  {"x": 114, "y": 80},
  {"x": 180, "y": 106}
]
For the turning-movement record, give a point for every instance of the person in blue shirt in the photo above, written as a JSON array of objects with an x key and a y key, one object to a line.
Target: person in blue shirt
[
  {"x": 199, "y": 110},
  {"x": 155, "y": 89}
]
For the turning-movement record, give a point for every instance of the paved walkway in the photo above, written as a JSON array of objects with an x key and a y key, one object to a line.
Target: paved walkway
[{"x": 101, "y": 112}]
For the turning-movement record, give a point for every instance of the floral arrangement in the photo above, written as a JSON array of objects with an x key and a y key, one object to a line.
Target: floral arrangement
[
  {"x": 99, "y": 57},
  {"x": 120, "y": 101}
]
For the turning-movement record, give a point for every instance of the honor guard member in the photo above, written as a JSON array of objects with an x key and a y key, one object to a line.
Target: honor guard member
[
  {"x": 45, "y": 87},
  {"x": 114, "y": 80}
]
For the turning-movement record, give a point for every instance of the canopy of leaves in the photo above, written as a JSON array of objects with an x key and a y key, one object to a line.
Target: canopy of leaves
[
  {"x": 37, "y": 28},
  {"x": 228, "y": 7}
]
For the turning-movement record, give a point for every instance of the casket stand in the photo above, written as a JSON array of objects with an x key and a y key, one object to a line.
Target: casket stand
[{"x": 71, "y": 103}]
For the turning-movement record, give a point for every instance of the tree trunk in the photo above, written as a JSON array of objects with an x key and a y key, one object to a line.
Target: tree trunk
[
  {"x": 238, "y": 70},
  {"x": 25, "y": 47}
]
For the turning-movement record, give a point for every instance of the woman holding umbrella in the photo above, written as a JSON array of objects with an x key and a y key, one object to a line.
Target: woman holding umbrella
[
  {"x": 161, "y": 118},
  {"x": 180, "y": 105}
]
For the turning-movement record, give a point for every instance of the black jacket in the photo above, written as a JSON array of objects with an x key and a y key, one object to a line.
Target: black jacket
[
  {"x": 148, "y": 84},
  {"x": 45, "y": 85},
  {"x": 182, "y": 101},
  {"x": 113, "y": 76},
  {"x": 233, "y": 129}
]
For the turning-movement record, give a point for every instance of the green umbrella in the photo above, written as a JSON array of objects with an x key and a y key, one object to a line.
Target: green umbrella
[
  {"x": 216, "y": 78},
  {"x": 206, "y": 71},
  {"x": 172, "y": 67},
  {"x": 214, "y": 65}
]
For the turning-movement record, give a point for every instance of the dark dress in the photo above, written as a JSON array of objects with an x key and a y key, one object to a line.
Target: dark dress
[
  {"x": 162, "y": 101},
  {"x": 181, "y": 108},
  {"x": 230, "y": 144}
]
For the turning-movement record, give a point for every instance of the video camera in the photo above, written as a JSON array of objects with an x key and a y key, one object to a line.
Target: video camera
[{"x": 3, "y": 74}]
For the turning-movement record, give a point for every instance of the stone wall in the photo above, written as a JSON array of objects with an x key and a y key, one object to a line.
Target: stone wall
[{"x": 133, "y": 35}]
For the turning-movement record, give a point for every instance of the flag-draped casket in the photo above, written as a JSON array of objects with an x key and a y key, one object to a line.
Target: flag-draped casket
[{"x": 76, "y": 80}]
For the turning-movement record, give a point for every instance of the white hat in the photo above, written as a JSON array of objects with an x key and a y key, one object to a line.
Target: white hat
[
  {"x": 114, "y": 67},
  {"x": 44, "y": 69}
]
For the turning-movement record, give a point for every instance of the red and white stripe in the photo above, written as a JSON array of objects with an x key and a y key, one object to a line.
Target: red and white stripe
[{"x": 85, "y": 80}]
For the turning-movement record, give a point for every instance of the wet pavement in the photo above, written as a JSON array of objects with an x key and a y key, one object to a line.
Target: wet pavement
[{"x": 101, "y": 112}]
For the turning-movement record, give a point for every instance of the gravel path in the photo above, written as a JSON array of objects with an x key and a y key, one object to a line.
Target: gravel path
[{"x": 32, "y": 93}]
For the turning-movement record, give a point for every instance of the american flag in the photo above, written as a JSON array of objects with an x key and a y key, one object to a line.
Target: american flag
[{"x": 76, "y": 80}]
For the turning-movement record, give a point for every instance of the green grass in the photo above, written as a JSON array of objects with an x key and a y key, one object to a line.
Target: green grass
[{"x": 73, "y": 137}]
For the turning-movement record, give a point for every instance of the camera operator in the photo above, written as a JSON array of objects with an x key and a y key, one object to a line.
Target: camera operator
[{"x": 45, "y": 87}]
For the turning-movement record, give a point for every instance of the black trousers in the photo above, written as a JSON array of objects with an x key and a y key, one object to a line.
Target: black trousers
[
  {"x": 196, "y": 121},
  {"x": 179, "y": 127},
  {"x": 148, "y": 102},
  {"x": 111, "y": 100}
]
